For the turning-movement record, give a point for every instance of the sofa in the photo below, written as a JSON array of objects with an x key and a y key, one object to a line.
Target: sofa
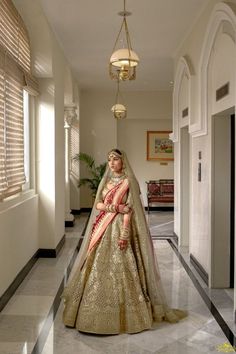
[{"x": 160, "y": 191}]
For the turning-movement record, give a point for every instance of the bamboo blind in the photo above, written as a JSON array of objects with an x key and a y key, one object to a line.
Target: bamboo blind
[
  {"x": 13, "y": 34},
  {"x": 14, "y": 76}
]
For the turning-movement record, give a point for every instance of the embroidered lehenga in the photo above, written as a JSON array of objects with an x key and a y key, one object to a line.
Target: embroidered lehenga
[{"x": 111, "y": 290}]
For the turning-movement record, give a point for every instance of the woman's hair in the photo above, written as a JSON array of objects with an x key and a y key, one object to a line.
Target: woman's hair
[{"x": 115, "y": 150}]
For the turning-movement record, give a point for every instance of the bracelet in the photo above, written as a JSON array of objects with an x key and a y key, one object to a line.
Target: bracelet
[
  {"x": 111, "y": 208},
  {"x": 124, "y": 234}
]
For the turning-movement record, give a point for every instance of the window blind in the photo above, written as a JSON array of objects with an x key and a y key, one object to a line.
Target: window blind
[
  {"x": 74, "y": 149},
  {"x": 3, "y": 182},
  {"x": 11, "y": 128},
  {"x": 14, "y": 126},
  {"x": 15, "y": 74},
  {"x": 13, "y": 34}
]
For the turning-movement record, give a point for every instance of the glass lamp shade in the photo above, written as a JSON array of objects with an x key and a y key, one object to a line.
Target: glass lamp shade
[
  {"x": 119, "y": 111},
  {"x": 123, "y": 58}
]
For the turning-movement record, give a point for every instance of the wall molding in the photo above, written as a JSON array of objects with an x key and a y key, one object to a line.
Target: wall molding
[
  {"x": 184, "y": 68},
  {"x": 222, "y": 13}
]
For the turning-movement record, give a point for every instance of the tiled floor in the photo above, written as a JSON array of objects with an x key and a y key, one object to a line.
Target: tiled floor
[{"x": 28, "y": 317}]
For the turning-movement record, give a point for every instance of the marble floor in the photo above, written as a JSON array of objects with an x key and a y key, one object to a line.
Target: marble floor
[
  {"x": 161, "y": 223},
  {"x": 31, "y": 321}
]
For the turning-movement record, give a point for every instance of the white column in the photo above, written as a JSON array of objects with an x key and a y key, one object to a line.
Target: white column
[{"x": 69, "y": 116}]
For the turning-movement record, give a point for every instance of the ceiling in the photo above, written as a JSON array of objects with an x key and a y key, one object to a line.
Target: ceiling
[{"x": 87, "y": 29}]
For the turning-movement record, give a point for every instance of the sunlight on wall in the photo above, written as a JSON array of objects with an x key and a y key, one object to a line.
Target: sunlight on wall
[{"x": 46, "y": 151}]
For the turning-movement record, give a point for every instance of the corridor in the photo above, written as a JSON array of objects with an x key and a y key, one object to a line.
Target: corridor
[{"x": 31, "y": 321}]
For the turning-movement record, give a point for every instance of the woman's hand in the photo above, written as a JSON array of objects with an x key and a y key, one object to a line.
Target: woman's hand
[
  {"x": 124, "y": 209},
  {"x": 123, "y": 244}
]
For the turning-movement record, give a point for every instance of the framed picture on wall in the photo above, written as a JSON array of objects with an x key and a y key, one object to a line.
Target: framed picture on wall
[{"x": 159, "y": 146}]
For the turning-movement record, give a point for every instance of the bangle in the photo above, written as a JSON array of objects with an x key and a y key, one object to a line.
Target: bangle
[
  {"x": 124, "y": 234},
  {"x": 111, "y": 208}
]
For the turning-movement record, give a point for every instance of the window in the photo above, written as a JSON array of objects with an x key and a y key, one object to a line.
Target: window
[
  {"x": 15, "y": 81},
  {"x": 26, "y": 140}
]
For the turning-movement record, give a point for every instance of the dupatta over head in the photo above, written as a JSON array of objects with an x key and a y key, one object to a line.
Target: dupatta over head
[{"x": 139, "y": 226}]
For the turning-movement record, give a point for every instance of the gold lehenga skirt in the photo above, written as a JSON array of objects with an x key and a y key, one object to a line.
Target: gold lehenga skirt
[{"x": 109, "y": 294}]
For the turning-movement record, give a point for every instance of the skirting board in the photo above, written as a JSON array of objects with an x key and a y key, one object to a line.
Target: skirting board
[
  {"x": 17, "y": 281},
  {"x": 201, "y": 271},
  {"x": 40, "y": 253},
  {"x": 51, "y": 252},
  {"x": 160, "y": 208},
  {"x": 69, "y": 223},
  {"x": 75, "y": 211},
  {"x": 176, "y": 238},
  {"x": 85, "y": 210}
]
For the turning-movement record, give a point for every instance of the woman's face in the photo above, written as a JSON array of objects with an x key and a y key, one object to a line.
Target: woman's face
[{"x": 115, "y": 163}]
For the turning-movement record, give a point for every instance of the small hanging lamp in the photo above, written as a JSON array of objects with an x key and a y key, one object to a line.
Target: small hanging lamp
[
  {"x": 123, "y": 61},
  {"x": 119, "y": 110}
]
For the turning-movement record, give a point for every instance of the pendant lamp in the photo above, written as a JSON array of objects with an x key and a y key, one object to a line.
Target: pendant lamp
[
  {"x": 119, "y": 110},
  {"x": 123, "y": 61}
]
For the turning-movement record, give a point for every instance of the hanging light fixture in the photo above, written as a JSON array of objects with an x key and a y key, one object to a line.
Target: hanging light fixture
[
  {"x": 119, "y": 110},
  {"x": 123, "y": 61}
]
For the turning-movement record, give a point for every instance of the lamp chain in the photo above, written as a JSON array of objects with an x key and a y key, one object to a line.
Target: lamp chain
[
  {"x": 118, "y": 91},
  {"x": 127, "y": 36},
  {"x": 124, "y": 23}
]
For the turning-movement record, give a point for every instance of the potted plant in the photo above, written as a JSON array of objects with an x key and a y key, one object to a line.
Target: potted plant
[{"x": 96, "y": 172}]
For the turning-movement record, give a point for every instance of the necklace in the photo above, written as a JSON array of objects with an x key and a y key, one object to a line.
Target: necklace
[{"x": 117, "y": 179}]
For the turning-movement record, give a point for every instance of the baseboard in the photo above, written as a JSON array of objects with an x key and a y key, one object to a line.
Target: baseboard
[
  {"x": 176, "y": 238},
  {"x": 69, "y": 223},
  {"x": 51, "y": 252},
  {"x": 201, "y": 271},
  {"x": 40, "y": 253},
  {"x": 160, "y": 208},
  {"x": 85, "y": 210},
  {"x": 75, "y": 211},
  {"x": 17, "y": 281}
]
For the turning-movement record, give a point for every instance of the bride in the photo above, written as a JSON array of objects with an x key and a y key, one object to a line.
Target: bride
[{"x": 116, "y": 286}]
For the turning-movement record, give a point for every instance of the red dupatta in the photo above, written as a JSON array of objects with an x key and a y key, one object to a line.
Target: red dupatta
[{"x": 113, "y": 196}]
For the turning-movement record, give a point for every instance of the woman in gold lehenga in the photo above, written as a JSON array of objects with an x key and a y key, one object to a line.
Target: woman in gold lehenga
[{"x": 116, "y": 286}]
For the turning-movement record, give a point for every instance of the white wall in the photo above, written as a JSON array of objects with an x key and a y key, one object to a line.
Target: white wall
[
  {"x": 45, "y": 172},
  {"x": 51, "y": 153},
  {"x": 132, "y": 138},
  {"x": 19, "y": 238},
  {"x": 59, "y": 69},
  {"x": 100, "y": 131},
  {"x": 211, "y": 63},
  {"x": 32, "y": 221}
]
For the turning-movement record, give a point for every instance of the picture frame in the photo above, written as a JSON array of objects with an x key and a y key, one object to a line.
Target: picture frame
[{"x": 159, "y": 146}]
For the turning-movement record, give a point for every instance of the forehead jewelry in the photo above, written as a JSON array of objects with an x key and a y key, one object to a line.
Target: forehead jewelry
[{"x": 114, "y": 154}]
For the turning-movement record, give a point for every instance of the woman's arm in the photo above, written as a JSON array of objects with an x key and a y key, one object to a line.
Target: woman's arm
[
  {"x": 101, "y": 206},
  {"x": 125, "y": 232},
  {"x": 112, "y": 208}
]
